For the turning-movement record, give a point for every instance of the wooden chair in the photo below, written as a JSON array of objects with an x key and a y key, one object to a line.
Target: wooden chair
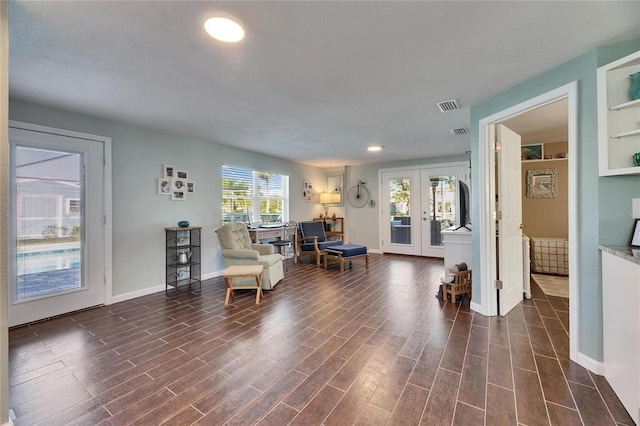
[
  {"x": 311, "y": 240},
  {"x": 461, "y": 285}
]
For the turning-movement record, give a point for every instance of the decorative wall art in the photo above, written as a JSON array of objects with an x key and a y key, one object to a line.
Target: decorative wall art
[
  {"x": 531, "y": 152},
  {"x": 308, "y": 192},
  {"x": 175, "y": 183},
  {"x": 542, "y": 183}
]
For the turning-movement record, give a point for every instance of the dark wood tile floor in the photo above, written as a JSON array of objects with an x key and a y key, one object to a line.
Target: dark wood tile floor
[{"x": 366, "y": 347}]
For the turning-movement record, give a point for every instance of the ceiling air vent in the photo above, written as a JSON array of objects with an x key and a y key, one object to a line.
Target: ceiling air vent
[
  {"x": 462, "y": 131},
  {"x": 448, "y": 106}
]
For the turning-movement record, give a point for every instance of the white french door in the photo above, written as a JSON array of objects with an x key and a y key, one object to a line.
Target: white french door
[
  {"x": 440, "y": 201},
  {"x": 401, "y": 233},
  {"x": 417, "y": 204},
  {"x": 57, "y": 224},
  {"x": 510, "y": 262}
]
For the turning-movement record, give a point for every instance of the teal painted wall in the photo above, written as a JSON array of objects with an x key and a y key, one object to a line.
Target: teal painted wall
[{"x": 604, "y": 204}]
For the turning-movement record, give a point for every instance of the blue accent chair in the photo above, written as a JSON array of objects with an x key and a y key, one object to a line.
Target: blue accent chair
[{"x": 311, "y": 240}]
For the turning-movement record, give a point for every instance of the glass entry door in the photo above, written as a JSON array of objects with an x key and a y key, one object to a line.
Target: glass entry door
[
  {"x": 401, "y": 212},
  {"x": 56, "y": 201},
  {"x": 439, "y": 209}
]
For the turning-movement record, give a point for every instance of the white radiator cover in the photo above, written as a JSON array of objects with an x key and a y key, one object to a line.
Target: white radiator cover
[{"x": 549, "y": 256}]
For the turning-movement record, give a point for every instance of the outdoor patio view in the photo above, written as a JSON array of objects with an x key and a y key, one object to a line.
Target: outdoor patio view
[{"x": 48, "y": 222}]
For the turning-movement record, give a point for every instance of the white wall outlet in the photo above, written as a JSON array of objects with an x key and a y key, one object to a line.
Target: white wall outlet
[{"x": 635, "y": 208}]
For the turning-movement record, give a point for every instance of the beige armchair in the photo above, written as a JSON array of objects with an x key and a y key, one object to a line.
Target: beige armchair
[{"x": 237, "y": 249}]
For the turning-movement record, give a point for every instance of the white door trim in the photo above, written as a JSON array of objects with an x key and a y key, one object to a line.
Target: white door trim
[
  {"x": 486, "y": 183},
  {"x": 108, "y": 222},
  {"x": 382, "y": 188}
]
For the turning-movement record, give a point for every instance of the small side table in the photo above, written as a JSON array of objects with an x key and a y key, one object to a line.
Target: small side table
[{"x": 243, "y": 271}]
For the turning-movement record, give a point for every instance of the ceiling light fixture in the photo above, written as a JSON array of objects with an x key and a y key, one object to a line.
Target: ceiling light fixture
[
  {"x": 225, "y": 27},
  {"x": 374, "y": 148}
]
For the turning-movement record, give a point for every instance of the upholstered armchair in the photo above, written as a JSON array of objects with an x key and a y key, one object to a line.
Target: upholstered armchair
[
  {"x": 311, "y": 240},
  {"x": 237, "y": 249}
]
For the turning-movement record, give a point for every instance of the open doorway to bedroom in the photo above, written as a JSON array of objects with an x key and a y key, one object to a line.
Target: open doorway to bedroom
[
  {"x": 489, "y": 211},
  {"x": 545, "y": 205}
]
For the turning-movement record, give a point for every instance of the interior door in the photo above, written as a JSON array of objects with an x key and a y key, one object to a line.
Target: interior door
[
  {"x": 439, "y": 206},
  {"x": 401, "y": 212},
  {"x": 509, "y": 198},
  {"x": 57, "y": 254}
]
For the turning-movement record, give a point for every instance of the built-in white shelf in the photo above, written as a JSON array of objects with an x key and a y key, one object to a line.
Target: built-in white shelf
[
  {"x": 625, "y": 134},
  {"x": 618, "y": 117},
  {"x": 545, "y": 159},
  {"x": 631, "y": 104}
]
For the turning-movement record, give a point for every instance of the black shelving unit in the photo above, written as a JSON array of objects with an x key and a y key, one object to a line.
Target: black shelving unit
[{"x": 183, "y": 257}]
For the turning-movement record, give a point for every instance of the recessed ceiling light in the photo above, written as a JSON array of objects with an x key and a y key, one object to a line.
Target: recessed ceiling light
[
  {"x": 374, "y": 148},
  {"x": 224, "y": 27}
]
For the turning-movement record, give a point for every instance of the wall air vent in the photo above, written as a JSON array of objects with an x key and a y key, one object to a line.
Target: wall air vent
[
  {"x": 461, "y": 131},
  {"x": 448, "y": 106}
]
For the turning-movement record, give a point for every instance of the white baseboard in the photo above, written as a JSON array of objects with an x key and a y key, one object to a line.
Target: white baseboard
[
  {"x": 211, "y": 275},
  {"x": 375, "y": 251},
  {"x": 476, "y": 307},
  {"x": 137, "y": 293},
  {"x": 154, "y": 289},
  {"x": 591, "y": 364}
]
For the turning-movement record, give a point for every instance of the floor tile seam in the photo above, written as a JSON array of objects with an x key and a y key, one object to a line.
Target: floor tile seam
[
  {"x": 604, "y": 401},
  {"x": 537, "y": 372},
  {"x": 464, "y": 363}
]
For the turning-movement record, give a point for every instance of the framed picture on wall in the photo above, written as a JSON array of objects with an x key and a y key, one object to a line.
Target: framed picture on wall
[
  {"x": 191, "y": 187},
  {"x": 635, "y": 238},
  {"x": 531, "y": 152},
  {"x": 542, "y": 183},
  {"x": 168, "y": 171},
  {"x": 164, "y": 186}
]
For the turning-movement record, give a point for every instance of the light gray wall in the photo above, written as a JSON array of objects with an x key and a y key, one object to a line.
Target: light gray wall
[
  {"x": 140, "y": 215},
  {"x": 602, "y": 202},
  {"x": 363, "y": 223}
]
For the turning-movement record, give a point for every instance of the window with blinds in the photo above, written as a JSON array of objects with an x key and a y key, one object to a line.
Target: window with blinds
[{"x": 254, "y": 196}]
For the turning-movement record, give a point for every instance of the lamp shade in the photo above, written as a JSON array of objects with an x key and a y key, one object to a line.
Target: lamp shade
[
  {"x": 324, "y": 198},
  {"x": 336, "y": 198}
]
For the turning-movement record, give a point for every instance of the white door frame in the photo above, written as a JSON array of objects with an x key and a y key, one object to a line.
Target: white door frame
[
  {"x": 108, "y": 221},
  {"x": 487, "y": 226},
  {"x": 381, "y": 187}
]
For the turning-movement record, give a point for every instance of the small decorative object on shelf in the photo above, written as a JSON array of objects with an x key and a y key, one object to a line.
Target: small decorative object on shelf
[
  {"x": 635, "y": 86},
  {"x": 183, "y": 257},
  {"x": 183, "y": 223},
  {"x": 636, "y": 158}
]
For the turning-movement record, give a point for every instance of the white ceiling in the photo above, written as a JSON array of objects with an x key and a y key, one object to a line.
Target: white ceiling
[
  {"x": 549, "y": 123},
  {"x": 313, "y": 81}
]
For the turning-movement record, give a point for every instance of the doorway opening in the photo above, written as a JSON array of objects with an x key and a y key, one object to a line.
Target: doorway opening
[
  {"x": 545, "y": 202},
  {"x": 488, "y": 212}
]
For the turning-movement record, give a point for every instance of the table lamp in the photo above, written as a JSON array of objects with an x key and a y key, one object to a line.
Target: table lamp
[{"x": 325, "y": 198}]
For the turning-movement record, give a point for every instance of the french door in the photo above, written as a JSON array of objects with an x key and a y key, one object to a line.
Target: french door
[
  {"x": 440, "y": 206},
  {"x": 417, "y": 205},
  {"x": 57, "y": 232},
  {"x": 401, "y": 233}
]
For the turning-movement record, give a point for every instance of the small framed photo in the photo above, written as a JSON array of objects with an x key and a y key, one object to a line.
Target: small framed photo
[
  {"x": 191, "y": 187},
  {"x": 179, "y": 185},
  {"x": 181, "y": 174},
  {"x": 164, "y": 186},
  {"x": 168, "y": 171},
  {"x": 635, "y": 238},
  {"x": 177, "y": 195},
  {"x": 531, "y": 152}
]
